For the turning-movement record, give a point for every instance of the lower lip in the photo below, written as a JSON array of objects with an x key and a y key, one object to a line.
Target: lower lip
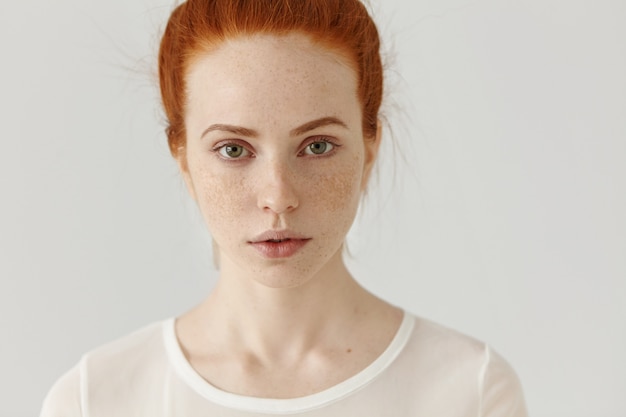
[{"x": 276, "y": 250}]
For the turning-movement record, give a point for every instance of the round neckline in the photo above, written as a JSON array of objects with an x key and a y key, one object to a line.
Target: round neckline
[{"x": 283, "y": 405}]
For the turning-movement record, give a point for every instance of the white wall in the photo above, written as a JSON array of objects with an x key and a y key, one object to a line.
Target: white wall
[{"x": 505, "y": 219}]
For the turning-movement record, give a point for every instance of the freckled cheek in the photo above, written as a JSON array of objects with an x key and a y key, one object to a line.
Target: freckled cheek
[
  {"x": 335, "y": 195},
  {"x": 328, "y": 196},
  {"x": 222, "y": 198}
]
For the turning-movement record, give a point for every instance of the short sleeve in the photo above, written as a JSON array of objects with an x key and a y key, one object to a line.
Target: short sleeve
[
  {"x": 63, "y": 399},
  {"x": 501, "y": 391}
]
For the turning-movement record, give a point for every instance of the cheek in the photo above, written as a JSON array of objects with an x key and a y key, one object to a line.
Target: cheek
[
  {"x": 221, "y": 198},
  {"x": 338, "y": 191},
  {"x": 328, "y": 195}
]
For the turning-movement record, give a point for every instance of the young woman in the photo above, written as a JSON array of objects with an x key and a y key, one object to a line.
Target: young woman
[{"x": 273, "y": 119}]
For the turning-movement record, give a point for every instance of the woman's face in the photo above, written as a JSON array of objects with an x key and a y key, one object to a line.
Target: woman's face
[{"x": 275, "y": 155}]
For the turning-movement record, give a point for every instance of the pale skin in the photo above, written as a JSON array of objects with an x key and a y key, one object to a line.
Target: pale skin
[{"x": 275, "y": 143}]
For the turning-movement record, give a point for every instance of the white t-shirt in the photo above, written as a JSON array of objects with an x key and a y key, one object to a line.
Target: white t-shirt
[{"x": 426, "y": 371}]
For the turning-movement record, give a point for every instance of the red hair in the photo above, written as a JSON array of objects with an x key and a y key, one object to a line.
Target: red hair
[{"x": 196, "y": 26}]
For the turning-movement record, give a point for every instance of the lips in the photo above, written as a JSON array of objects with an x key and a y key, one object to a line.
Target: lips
[{"x": 275, "y": 244}]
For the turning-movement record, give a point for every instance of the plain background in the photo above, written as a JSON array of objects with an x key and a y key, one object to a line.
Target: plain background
[{"x": 501, "y": 213}]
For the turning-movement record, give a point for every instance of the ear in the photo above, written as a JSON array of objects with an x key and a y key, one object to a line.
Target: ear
[
  {"x": 372, "y": 145},
  {"x": 183, "y": 166}
]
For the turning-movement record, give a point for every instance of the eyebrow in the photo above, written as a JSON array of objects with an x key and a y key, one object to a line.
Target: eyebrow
[
  {"x": 237, "y": 130},
  {"x": 314, "y": 124},
  {"x": 244, "y": 131}
]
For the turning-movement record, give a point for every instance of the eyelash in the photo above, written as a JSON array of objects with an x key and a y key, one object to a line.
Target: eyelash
[
  {"x": 223, "y": 145},
  {"x": 249, "y": 154},
  {"x": 320, "y": 139}
]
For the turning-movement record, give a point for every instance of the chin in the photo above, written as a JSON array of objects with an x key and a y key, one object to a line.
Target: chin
[
  {"x": 284, "y": 276},
  {"x": 298, "y": 271}
]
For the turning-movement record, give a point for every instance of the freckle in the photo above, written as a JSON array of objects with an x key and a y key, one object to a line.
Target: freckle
[{"x": 349, "y": 350}]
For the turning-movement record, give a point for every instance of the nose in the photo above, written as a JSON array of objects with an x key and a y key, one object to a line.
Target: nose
[{"x": 277, "y": 192}]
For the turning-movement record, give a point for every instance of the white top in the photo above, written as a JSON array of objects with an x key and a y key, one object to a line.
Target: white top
[{"x": 427, "y": 370}]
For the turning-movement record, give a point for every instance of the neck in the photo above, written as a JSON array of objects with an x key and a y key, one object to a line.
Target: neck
[{"x": 283, "y": 323}]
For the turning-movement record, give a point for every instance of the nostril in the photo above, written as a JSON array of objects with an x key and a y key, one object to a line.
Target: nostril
[{"x": 278, "y": 197}]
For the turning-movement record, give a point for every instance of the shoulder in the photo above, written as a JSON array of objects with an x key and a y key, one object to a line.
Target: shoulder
[
  {"x": 437, "y": 343},
  {"x": 130, "y": 350},
  {"x": 500, "y": 387},
  {"x": 63, "y": 399},
  {"x": 444, "y": 360},
  {"x": 107, "y": 371}
]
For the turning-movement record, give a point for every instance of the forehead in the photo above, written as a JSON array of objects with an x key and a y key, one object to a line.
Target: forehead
[{"x": 288, "y": 74}]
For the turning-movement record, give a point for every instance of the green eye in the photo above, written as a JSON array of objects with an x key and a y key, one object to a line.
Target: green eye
[
  {"x": 318, "y": 148},
  {"x": 233, "y": 151}
]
